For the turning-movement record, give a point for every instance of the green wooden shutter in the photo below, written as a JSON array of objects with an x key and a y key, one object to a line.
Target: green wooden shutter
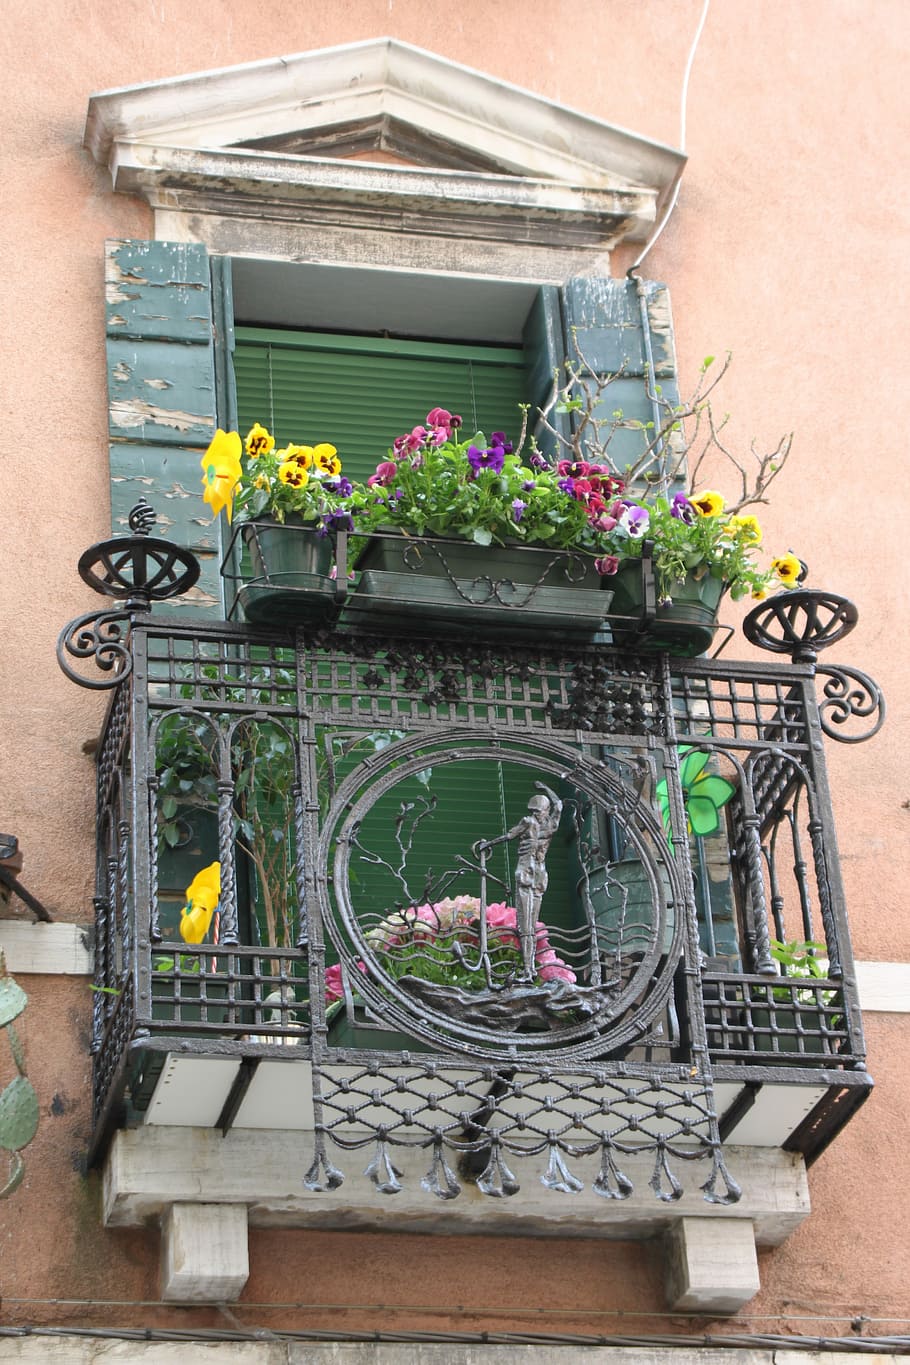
[
  {"x": 545, "y": 352},
  {"x": 161, "y": 385},
  {"x": 626, "y": 325}
]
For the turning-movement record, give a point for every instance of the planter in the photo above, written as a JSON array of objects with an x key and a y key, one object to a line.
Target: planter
[
  {"x": 408, "y": 582},
  {"x": 285, "y": 572},
  {"x": 685, "y": 628},
  {"x": 365, "y": 1033}
]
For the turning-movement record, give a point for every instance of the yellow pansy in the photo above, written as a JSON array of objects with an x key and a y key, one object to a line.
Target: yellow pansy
[
  {"x": 261, "y": 481},
  {"x": 221, "y": 470},
  {"x": 202, "y": 896},
  {"x": 787, "y": 568},
  {"x": 302, "y": 455},
  {"x": 708, "y": 504},
  {"x": 258, "y": 441},
  {"x": 325, "y": 457},
  {"x": 747, "y": 528},
  {"x": 293, "y": 474}
]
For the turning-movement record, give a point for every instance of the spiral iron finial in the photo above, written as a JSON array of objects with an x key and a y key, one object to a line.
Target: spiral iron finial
[{"x": 142, "y": 518}]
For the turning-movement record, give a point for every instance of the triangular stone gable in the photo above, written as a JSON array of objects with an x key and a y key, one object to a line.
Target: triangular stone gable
[{"x": 384, "y": 95}]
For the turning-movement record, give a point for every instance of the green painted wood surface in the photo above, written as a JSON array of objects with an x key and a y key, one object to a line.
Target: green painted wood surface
[
  {"x": 161, "y": 347},
  {"x": 604, "y": 325}
]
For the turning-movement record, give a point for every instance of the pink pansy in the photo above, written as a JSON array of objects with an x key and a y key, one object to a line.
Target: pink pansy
[
  {"x": 334, "y": 989},
  {"x": 385, "y": 473}
]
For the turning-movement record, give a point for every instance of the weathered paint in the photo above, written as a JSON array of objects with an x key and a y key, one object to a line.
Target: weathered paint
[{"x": 163, "y": 344}]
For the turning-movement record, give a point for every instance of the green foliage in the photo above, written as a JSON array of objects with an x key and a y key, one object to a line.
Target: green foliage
[
  {"x": 801, "y": 958},
  {"x": 18, "y": 1114},
  {"x": 13, "y": 1000},
  {"x": 18, "y": 1101}
]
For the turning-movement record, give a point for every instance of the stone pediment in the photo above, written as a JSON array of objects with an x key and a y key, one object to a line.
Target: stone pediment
[{"x": 379, "y": 123}]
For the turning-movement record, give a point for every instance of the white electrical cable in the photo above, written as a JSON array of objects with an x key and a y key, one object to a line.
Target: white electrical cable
[{"x": 682, "y": 142}]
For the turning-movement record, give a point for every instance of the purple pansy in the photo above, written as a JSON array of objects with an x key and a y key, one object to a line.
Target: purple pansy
[
  {"x": 606, "y": 565},
  {"x": 682, "y": 509},
  {"x": 499, "y": 439},
  {"x": 494, "y": 458},
  {"x": 635, "y": 521},
  {"x": 518, "y": 508}
]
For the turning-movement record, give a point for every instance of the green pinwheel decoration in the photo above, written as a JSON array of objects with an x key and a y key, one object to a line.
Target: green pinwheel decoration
[{"x": 703, "y": 794}]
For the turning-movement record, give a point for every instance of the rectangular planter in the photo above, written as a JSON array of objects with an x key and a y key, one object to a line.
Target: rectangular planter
[{"x": 409, "y": 583}]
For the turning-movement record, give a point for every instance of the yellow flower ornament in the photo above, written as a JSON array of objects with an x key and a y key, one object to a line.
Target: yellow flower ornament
[
  {"x": 221, "y": 471},
  {"x": 202, "y": 897}
]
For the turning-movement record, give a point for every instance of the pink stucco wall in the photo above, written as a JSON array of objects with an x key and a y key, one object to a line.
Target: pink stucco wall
[{"x": 788, "y": 248}]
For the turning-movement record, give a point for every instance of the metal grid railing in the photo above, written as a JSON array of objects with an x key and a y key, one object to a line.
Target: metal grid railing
[{"x": 227, "y": 739}]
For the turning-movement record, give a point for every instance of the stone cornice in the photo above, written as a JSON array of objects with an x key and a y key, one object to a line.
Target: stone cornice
[
  {"x": 199, "y": 143},
  {"x": 274, "y": 187}
]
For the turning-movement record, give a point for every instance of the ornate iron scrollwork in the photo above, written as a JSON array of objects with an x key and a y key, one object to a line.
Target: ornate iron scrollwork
[
  {"x": 849, "y": 694},
  {"x": 102, "y": 636},
  {"x": 136, "y": 570},
  {"x": 804, "y": 622}
]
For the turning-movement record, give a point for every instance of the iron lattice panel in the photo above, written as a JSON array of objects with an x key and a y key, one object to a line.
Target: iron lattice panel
[
  {"x": 411, "y": 684},
  {"x": 741, "y": 704},
  {"x": 582, "y": 1122}
]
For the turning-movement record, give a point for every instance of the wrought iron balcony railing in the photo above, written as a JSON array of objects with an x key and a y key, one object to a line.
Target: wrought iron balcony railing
[{"x": 503, "y": 906}]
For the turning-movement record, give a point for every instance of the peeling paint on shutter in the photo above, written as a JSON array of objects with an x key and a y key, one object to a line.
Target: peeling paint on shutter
[
  {"x": 625, "y": 325},
  {"x": 161, "y": 387}
]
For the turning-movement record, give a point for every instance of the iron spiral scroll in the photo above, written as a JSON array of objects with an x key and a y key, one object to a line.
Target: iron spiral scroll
[
  {"x": 802, "y": 623},
  {"x": 136, "y": 570}
]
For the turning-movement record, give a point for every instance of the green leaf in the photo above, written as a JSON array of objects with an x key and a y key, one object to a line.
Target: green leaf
[
  {"x": 15, "y": 1045},
  {"x": 13, "y": 1000},
  {"x": 691, "y": 766},
  {"x": 169, "y": 807},
  {"x": 482, "y": 536},
  {"x": 171, "y": 835},
  {"x": 17, "y": 1171},
  {"x": 18, "y": 1114}
]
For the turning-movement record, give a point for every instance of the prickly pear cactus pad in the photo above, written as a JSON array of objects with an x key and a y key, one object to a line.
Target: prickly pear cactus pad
[{"x": 18, "y": 1101}]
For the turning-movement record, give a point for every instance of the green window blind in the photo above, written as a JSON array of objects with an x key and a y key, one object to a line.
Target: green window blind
[{"x": 359, "y": 393}]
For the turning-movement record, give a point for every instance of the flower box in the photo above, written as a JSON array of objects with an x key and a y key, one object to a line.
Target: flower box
[
  {"x": 684, "y": 626},
  {"x": 409, "y": 582},
  {"x": 285, "y": 573}
]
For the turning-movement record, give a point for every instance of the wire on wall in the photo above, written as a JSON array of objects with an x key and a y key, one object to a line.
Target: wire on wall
[{"x": 684, "y": 97}]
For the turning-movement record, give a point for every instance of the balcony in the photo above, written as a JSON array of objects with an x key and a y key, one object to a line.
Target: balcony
[{"x": 644, "y": 1055}]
